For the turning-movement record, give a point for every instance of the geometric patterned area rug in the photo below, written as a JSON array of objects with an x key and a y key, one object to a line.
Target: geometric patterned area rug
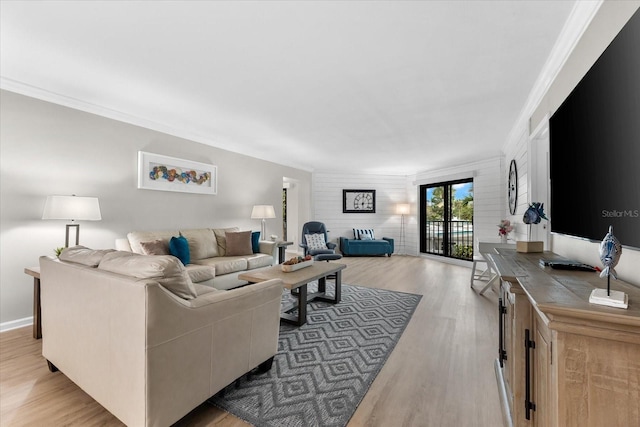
[{"x": 324, "y": 368}]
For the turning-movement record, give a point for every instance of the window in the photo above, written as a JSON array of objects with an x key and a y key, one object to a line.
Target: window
[{"x": 446, "y": 219}]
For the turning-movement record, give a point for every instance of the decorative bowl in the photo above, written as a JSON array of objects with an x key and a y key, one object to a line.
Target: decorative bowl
[{"x": 298, "y": 266}]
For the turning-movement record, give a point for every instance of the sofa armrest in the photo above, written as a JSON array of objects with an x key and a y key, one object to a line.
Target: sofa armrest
[
  {"x": 391, "y": 242},
  {"x": 123, "y": 245},
  {"x": 344, "y": 243},
  {"x": 269, "y": 247}
]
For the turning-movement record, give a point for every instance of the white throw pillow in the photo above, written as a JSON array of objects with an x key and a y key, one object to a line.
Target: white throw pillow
[
  {"x": 359, "y": 232},
  {"x": 315, "y": 241}
]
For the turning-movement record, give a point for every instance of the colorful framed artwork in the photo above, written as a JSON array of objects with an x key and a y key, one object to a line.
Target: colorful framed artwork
[
  {"x": 164, "y": 173},
  {"x": 358, "y": 201}
]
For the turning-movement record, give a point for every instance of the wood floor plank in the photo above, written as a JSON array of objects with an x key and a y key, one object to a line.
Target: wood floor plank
[{"x": 440, "y": 373}]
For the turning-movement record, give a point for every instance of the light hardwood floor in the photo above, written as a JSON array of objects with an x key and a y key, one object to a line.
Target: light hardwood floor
[{"x": 439, "y": 374}]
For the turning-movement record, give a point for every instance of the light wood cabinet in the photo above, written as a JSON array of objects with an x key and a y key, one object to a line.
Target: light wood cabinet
[
  {"x": 581, "y": 366},
  {"x": 517, "y": 318},
  {"x": 540, "y": 375}
]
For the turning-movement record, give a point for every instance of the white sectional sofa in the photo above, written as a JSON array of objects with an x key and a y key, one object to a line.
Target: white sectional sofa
[
  {"x": 137, "y": 335},
  {"x": 213, "y": 262}
]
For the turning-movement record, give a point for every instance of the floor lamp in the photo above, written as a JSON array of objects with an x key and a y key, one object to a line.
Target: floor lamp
[
  {"x": 402, "y": 209},
  {"x": 72, "y": 208},
  {"x": 263, "y": 212}
]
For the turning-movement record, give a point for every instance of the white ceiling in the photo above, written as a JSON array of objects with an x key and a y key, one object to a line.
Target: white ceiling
[{"x": 388, "y": 87}]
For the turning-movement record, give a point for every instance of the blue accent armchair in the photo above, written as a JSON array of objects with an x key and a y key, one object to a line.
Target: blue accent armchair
[{"x": 315, "y": 227}]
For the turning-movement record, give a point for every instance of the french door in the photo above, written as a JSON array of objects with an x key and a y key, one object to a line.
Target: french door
[{"x": 446, "y": 219}]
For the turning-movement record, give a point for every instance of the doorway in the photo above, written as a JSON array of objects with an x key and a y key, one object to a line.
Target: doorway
[{"x": 446, "y": 219}]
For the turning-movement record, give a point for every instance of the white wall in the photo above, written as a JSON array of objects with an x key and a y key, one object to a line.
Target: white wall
[
  {"x": 49, "y": 149},
  {"x": 489, "y": 190},
  {"x": 390, "y": 190}
]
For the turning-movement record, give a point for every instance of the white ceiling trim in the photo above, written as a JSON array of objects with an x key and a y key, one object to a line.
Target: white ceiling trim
[
  {"x": 581, "y": 16},
  {"x": 77, "y": 104}
]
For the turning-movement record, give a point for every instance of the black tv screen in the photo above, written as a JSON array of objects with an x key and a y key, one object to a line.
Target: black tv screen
[{"x": 595, "y": 147}]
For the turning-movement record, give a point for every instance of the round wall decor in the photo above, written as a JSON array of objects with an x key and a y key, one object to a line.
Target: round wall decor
[{"x": 512, "y": 187}]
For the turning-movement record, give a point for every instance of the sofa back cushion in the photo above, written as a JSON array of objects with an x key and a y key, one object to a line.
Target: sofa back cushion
[
  {"x": 137, "y": 237},
  {"x": 83, "y": 255},
  {"x": 222, "y": 239},
  {"x": 202, "y": 243},
  {"x": 165, "y": 269}
]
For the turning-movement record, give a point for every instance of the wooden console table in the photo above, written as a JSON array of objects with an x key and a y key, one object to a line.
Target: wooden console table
[
  {"x": 561, "y": 360},
  {"x": 37, "y": 321}
]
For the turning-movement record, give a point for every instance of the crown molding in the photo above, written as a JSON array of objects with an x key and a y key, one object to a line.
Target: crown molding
[
  {"x": 21, "y": 88},
  {"x": 579, "y": 19}
]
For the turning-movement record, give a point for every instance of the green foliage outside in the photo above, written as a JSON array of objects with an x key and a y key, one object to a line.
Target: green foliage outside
[
  {"x": 462, "y": 209},
  {"x": 465, "y": 252}
]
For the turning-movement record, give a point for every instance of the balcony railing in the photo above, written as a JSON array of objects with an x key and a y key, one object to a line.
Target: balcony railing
[{"x": 460, "y": 238}]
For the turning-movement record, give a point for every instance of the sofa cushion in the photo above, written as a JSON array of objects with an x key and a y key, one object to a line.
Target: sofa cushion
[
  {"x": 179, "y": 248},
  {"x": 315, "y": 241},
  {"x": 225, "y": 265},
  {"x": 136, "y": 237},
  {"x": 203, "y": 290},
  {"x": 259, "y": 261},
  {"x": 221, "y": 238},
  {"x": 358, "y": 232},
  {"x": 202, "y": 243},
  {"x": 155, "y": 247},
  {"x": 200, "y": 273},
  {"x": 165, "y": 269},
  {"x": 83, "y": 255},
  {"x": 238, "y": 243}
]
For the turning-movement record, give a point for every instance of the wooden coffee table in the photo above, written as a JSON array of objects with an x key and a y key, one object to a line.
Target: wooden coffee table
[{"x": 296, "y": 282}]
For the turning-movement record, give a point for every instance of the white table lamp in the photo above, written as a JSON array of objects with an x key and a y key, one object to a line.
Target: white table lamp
[
  {"x": 263, "y": 212},
  {"x": 72, "y": 208}
]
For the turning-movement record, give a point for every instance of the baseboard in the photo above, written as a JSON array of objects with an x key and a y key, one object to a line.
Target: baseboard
[{"x": 15, "y": 324}]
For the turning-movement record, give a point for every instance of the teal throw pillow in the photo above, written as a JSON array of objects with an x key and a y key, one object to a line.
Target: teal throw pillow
[
  {"x": 255, "y": 242},
  {"x": 179, "y": 248}
]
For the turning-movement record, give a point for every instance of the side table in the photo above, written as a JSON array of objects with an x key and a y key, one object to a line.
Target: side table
[
  {"x": 37, "y": 321},
  {"x": 282, "y": 247}
]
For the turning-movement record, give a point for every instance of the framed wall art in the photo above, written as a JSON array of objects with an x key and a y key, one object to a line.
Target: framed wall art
[
  {"x": 164, "y": 173},
  {"x": 358, "y": 201}
]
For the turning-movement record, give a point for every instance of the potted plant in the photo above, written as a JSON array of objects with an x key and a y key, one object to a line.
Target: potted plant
[{"x": 504, "y": 228}]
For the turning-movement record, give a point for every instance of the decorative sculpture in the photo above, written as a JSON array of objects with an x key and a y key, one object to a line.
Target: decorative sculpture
[{"x": 610, "y": 251}]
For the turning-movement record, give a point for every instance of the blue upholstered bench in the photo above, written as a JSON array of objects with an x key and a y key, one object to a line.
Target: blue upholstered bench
[{"x": 353, "y": 247}]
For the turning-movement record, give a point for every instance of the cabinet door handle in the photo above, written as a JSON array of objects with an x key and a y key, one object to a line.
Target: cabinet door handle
[
  {"x": 528, "y": 346},
  {"x": 502, "y": 353}
]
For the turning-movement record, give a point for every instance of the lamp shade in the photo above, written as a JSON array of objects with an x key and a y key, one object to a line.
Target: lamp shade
[
  {"x": 262, "y": 212},
  {"x": 403, "y": 208},
  {"x": 72, "y": 208}
]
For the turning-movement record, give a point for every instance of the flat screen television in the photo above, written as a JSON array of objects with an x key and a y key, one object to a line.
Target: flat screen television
[{"x": 595, "y": 147}]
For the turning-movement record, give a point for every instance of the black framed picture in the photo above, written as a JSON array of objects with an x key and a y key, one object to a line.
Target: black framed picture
[{"x": 358, "y": 201}]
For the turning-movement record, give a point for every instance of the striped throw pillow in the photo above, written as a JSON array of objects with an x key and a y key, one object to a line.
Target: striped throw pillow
[{"x": 359, "y": 232}]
